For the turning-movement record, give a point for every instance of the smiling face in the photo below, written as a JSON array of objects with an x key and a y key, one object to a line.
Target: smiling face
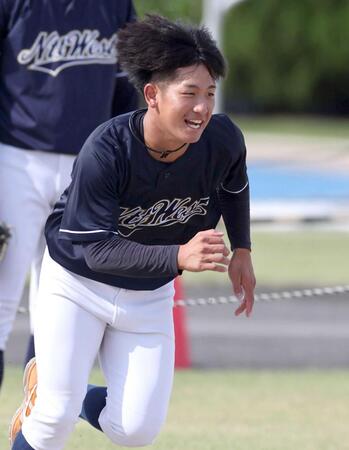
[{"x": 179, "y": 109}]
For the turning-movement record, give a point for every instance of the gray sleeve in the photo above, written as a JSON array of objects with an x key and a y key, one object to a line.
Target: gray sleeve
[{"x": 121, "y": 257}]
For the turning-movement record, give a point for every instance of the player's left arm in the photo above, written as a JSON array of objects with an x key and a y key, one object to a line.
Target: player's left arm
[
  {"x": 236, "y": 216},
  {"x": 234, "y": 200}
]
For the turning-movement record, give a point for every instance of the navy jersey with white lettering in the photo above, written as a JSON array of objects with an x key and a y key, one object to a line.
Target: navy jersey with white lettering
[
  {"x": 58, "y": 71},
  {"x": 118, "y": 188}
]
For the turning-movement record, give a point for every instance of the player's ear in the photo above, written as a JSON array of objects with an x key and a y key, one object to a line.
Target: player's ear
[{"x": 150, "y": 95}]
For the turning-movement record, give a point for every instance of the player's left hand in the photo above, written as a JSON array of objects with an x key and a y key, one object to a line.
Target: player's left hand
[
  {"x": 5, "y": 235},
  {"x": 242, "y": 277}
]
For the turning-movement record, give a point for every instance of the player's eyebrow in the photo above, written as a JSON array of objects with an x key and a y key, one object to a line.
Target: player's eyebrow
[{"x": 194, "y": 86}]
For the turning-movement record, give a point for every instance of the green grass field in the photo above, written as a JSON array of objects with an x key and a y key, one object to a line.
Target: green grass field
[
  {"x": 294, "y": 258},
  {"x": 233, "y": 411},
  {"x": 300, "y": 125}
]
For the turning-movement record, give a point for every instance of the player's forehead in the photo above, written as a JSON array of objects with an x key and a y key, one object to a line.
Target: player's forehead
[{"x": 196, "y": 76}]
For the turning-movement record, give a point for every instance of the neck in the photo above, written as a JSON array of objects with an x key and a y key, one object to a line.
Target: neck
[{"x": 160, "y": 146}]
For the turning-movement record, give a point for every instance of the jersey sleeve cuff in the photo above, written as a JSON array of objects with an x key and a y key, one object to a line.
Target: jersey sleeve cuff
[
  {"x": 85, "y": 236},
  {"x": 173, "y": 260}
]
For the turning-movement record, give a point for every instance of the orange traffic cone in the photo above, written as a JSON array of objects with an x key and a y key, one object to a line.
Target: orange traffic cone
[{"x": 182, "y": 354}]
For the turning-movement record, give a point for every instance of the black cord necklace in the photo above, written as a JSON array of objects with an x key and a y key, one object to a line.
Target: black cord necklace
[{"x": 164, "y": 153}]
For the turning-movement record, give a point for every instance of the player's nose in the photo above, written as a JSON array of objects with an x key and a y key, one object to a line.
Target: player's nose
[{"x": 201, "y": 107}]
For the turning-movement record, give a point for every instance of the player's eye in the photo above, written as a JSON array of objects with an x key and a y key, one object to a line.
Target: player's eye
[
  {"x": 211, "y": 94},
  {"x": 188, "y": 93}
]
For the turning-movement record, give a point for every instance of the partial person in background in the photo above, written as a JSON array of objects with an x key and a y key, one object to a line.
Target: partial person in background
[
  {"x": 59, "y": 80},
  {"x": 148, "y": 189}
]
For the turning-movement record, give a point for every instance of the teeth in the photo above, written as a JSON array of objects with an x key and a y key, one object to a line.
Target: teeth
[{"x": 194, "y": 123}]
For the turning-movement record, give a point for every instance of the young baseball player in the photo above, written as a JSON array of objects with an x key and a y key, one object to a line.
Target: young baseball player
[
  {"x": 56, "y": 59},
  {"x": 147, "y": 191}
]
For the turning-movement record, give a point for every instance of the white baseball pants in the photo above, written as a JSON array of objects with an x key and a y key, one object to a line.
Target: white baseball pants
[
  {"x": 30, "y": 184},
  {"x": 131, "y": 332}
]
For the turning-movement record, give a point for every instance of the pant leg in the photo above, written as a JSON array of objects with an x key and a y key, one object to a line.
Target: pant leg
[
  {"x": 35, "y": 270},
  {"x": 67, "y": 339},
  {"x": 60, "y": 175},
  {"x": 137, "y": 358},
  {"x": 33, "y": 294},
  {"x": 23, "y": 209}
]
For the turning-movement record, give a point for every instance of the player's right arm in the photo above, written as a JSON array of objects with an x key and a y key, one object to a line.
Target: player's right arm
[{"x": 121, "y": 257}]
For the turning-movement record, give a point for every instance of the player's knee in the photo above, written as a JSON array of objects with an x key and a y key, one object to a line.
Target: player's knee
[
  {"x": 66, "y": 418},
  {"x": 138, "y": 434},
  {"x": 51, "y": 421},
  {"x": 137, "y": 438},
  {"x": 60, "y": 416}
]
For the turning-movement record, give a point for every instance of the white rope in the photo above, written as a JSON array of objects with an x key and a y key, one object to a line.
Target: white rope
[{"x": 266, "y": 297}]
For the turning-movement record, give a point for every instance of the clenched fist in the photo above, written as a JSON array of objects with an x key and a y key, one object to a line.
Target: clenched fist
[{"x": 205, "y": 251}]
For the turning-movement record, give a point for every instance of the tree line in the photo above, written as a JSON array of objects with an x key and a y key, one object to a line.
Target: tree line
[{"x": 283, "y": 56}]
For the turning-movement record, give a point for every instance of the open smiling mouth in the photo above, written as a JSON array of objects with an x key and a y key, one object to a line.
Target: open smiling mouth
[{"x": 195, "y": 124}]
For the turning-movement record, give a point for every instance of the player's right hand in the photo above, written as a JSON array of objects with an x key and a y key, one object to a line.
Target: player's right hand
[{"x": 205, "y": 251}]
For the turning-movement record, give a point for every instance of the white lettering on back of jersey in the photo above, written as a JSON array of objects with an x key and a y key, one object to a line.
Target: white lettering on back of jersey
[
  {"x": 52, "y": 53},
  {"x": 163, "y": 213}
]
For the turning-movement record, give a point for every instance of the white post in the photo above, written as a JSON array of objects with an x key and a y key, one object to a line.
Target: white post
[{"x": 213, "y": 14}]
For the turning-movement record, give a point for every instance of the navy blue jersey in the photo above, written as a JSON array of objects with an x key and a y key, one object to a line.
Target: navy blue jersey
[
  {"x": 118, "y": 188},
  {"x": 58, "y": 71}
]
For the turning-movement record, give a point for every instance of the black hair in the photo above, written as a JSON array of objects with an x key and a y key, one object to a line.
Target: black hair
[{"x": 154, "y": 48}]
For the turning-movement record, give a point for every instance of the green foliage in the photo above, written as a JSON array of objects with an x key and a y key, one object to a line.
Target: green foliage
[
  {"x": 179, "y": 9},
  {"x": 288, "y": 55},
  {"x": 283, "y": 56}
]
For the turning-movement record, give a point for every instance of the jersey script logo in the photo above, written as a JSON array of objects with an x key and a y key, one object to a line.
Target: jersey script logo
[
  {"x": 52, "y": 53},
  {"x": 163, "y": 213}
]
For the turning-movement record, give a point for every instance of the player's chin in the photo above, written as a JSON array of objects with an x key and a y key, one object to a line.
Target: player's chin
[{"x": 193, "y": 135}]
